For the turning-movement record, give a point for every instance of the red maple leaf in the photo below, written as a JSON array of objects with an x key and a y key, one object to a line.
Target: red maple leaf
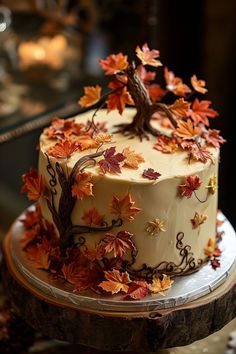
[
  {"x": 147, "y": 56},
  {"x": 89, "y": 278},
  {"x": 111, "y": 161},
  {"x": 119, "y": 244},
  {"x": 145, "y": 76},
  {"x": 71, "y": 272},
  {"x": 95, "y": 253},
  {"x": 200, "y": 153},
  {"x": 63, "y": 149},
  {"x": 124, "y": 207},
  {"x": 200, "y": 112},
  {"x": 151, "y": 174},
  {"x": 114, "y": 63},
  {"x": 92, "y": 95},
  {"x": 33, "y": 184},
  {"x": 92, "y": 216},
  {"x": 119, "y": 98},
  {"x": 213, "y": 137},
  {"x": 215, "y": 263},
  {"x": 192, "y": 183},
  {"x": 137, "y": 290},
  {"x": 41, "y": 254}
]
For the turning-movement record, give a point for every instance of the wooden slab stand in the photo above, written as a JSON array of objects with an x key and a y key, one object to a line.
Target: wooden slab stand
[{"x": 140, "y": 331}]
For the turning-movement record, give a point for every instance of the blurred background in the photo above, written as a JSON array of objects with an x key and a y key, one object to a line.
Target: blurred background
[{"x": 49, "y": 50}]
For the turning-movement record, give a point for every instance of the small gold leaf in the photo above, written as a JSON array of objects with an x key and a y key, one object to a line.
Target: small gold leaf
[{"x": 155, "y": 226}]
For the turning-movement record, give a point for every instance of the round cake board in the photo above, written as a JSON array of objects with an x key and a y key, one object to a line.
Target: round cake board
[{"x": 150, "y": 329}]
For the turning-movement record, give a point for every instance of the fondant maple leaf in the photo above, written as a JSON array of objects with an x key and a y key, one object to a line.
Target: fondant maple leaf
[
  {"x": 132, "y": 159},
  {"x": 119, "y": 98},
  {"x": 192, "y": 183},
  {"x": 151, "y": 174},
  {"x": 118, "y": 244},
  {"x": 124, "y": 207},
  {"x": 82, "y": 185},
  {"x": 198, "y": 85},
  {"x": 159, "y": 285},
  {"x": 186, "y": 130},
  {"x": 89, "y": 278},
  {"x": 39, "y": 254},
  {"x": 200, "y": 153},
  {"x": 138, "y": 289},
  {"x": 114, "y": 63},
  {"x": 63, "y": 149},
  {"x": 145, "y": 76},
  {"x": 33, "y": 184},
  {"x": 115, "y": 281},
  {"x": 32, "y": 218},
  {"x": 147, "y": 56},
  {"x": 111, "y": 161},
  {"x": 166, "y": 145},
  {"x": 200, "y": 112},
  {"x": 156, "y": 92},
  {"x": 175, "y": 84},
  {"x": 71, "y": 272},
  {"x": 213, "y": 137},
  {"x": 92, "y": 95},
  {"x": 86, "y": 141},
  {"x": 212, "y": 249},
  {"x": 198, "y": 220},
  {"x": 95, "y": 253},
  {"x": 63, "y": 128},
  {"x": 180, "y": 107},
  {"x": 92, "y": 216}
]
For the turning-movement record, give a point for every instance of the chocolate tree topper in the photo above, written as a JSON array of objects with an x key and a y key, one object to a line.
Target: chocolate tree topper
[{"x": 131, "y": 85}]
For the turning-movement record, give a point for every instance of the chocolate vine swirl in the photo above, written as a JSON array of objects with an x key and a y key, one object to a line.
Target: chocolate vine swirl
[{"x": 188, "y": 263}]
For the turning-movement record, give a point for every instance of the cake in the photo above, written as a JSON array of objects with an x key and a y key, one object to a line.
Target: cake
[{"x": 127, "y": 197}]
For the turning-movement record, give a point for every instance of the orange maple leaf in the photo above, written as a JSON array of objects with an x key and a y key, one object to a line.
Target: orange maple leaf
[
  {"x": 63, "y": 128},
  {"x": 95, "y": 253},
  {"x": 166, "y": 145},
  {"x": 200, "y": 153},
  {"x": 145, "y": 76},
  {"x": 86, "y": 141},
  {"x": 63, "y": 149},
  {"x": 119, "y": 98},
  {"x": 198, "y": 85},
  {"x": 132, "y": 159},
  {"x": 115, "y": 281},
  {"x": 200, "y": 112},
  {"x": 156, "y": 92},
  {"x": 159, "y": 285},
  {"x": 212, "y": 250},
  {"x": 102, "y": 138},
  {"x": 114, "y": 63},
  {"x": 124, "y": 207},
  {"x": 92, "y": 96},
  {"x": 147, "y": 56},
  {"x": 82, "y": 185},
  {"x": 39, "y": 254},
  {"x": 119, "y": 244},
  {"x": 92, "y": 216},
  {"x": 180, "y": 107},
  {"x": 187, "y": 130},
  {"x": 33, "y": 184},
  {"x": 198, "y": 220},
  {"x": 32, "y": 218},
  {"x": 175, "y": 84}
]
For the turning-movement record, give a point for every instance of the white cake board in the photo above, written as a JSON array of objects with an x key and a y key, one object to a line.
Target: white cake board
[{"x": 185, "y": 288}]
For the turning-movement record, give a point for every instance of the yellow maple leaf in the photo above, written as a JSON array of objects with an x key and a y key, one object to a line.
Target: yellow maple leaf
[
  {"x": 160, "y": 285},
  {"x": 198, "y": 220},
  {"x": 132, "y": 159},
  {"x": 198, "y": 85}
]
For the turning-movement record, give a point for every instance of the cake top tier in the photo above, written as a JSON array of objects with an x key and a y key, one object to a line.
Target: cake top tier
[{"x": 139, "y": 155}]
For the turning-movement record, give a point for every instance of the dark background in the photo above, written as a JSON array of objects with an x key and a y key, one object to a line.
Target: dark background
[{"x": 194, "y": 37}]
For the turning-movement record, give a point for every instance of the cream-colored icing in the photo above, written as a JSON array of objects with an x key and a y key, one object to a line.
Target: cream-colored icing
[{"x": 156, "y": 199}]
